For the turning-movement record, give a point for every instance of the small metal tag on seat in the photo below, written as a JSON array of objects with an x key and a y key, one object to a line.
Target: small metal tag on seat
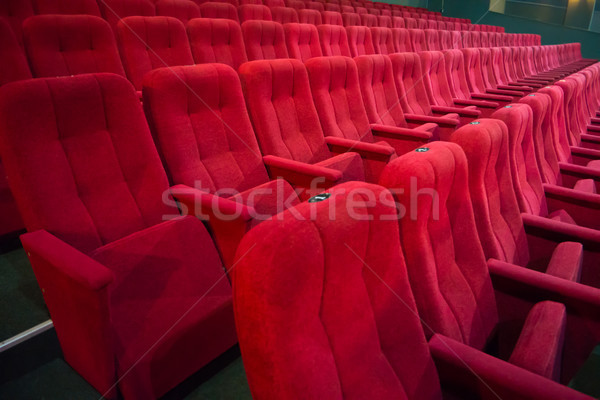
[{"x": 319, "y": 197}]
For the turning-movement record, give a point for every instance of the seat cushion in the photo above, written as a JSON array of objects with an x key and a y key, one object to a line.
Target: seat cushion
[
  {"x": 540, "y": 345},
  {"x": 268, "y": 199},
  {"x": 566, "y": 261},
  {"x": 586, "y": 185},
  {"x": 562, "y": 216},
  {"x": 349, "y": 164},
  {"x": 171, "y": 305}
]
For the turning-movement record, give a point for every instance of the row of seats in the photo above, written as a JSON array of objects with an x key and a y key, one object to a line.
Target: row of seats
[{"x": 85, "y": 168}]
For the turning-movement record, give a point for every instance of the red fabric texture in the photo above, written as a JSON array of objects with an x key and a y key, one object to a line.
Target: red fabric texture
[
  {"x": 284, "y": 15},
  {"x": 15, "y": 12},
  {"x": 66, "y": 7},
  {"x": 309, "y": 16},
  {"x": 115, "y": 10},
  {"x": 247, "y": 12},
  {"x": 214, "y": 40},
  {"x": 147, "y": 43},
  {"x": 15, "y": 67},
  {"x": 332, "y": 18},
  {"x": 219, "y": 10},
  {"x": 60, "y": 45},
  {"x": 383, "y": 40},
  {"x": 334, "y": 41},
  {"x": 359, "y": 40},
  {"x": 302, "y": 41},
  {"x": 183, "y": 10},
  {"x": 265, "y": 40}
]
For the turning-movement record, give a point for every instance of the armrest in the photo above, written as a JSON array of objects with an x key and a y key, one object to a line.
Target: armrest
[
  {"x": 492, "y": 97},
  {"x": 477, "y": 103},
  {"x": 507, "y": 92},
  {"x": 532, "y": 84},
  {"x": 369, "y": 151},
  {"x": 520, "y": 87},
  {"x": 583, "y": 207},
  {"x": 571, "y": 173},
  {"x": 558, "y": 232},
  {"x": 490, "y": 377},
  {"x": 590, "y": 141},
  {"x": 582, "y": 156},
  {"x": 76, "y": 290},
  {"x": 421, "y": 133},
  {"x": 299, "y": 173},
  {"x": 463, "y": 112},
  {"x": 208, "y": 206},
  {"x": 442, "y": 121}
]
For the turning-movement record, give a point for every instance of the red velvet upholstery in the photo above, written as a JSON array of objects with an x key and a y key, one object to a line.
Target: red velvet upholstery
[
  {"x": 359, "y": 40},
  {"x": 385, "y": 21},
  {"x": 417, "y": 40},
  {"x": 90, "y": 185},
  {"x": 276, "y": 91},
  {"x": 334, "y": 41},
  {"x": 332, "y": 18},
  {"x": 284, "y": 15},
  {"x": 309, "y": 16},
  {"x": 183, "y": 10},
  {"x": 432, "y": 39},
  {"x": 302, "y": 41},
  {"x": 59, "y": 45},
  {"x": 15, "y": 66},
  {"x": 295, "y": 4},
  {"x": 401, "y": 40},
  {"x": 219, "y": 10},
  {"x": 315, "y": 5},
  {"x": 350, "y": 19},
  {"x": 264, "y": 40},
  {"x": 368, "y": 20},
  {"x": 383, "y": 40},
  {"x": 66, "y": 7},
  {"x": 341, "y": 300},
  {"x": 152, "y": 42},
  {"x": 217, "y": 40},
  {"x": 115, "y": 10},
  {"x": 398, "y": 22},
  {"x": 247, "y": 12},
  {"x": 212, "y": 148},
  {"x": 274, "y": 3},
  {"x": 15, "y": 12}
]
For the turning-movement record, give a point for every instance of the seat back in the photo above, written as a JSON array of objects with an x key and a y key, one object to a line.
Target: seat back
[
  {"x": 282, "y": 111},
  {"x": 115, "y": 10},
  {"x": 284, "y": 15},
  {"x": 445, "y": 40},
  {"x": 326, "y": 285},
  {"x": 527, "y": 181},
  {"x": 359, "y": 40},
  {"x": 497, "y": 213},
  {"x": 401, "y": 40},
  {"x": 408, "y": 75},
  {"x": 558, "y": 122},
  {"x": 212, "y": 146},
  {"x": 219, "y": 10},
  {"x": 398, "y": 22},
  {"x": 248, "y": 12},
  {"x": 302, "y": 41},
  {"x": 350, "y": 19},
  {"x": 152, "y": 42},
  {"x": 183, "y": 10},
  {"x": 315, "y": 5},
  {"x": 67, "y": 7},
  {"x": 432, "y": 39},
  {"x": 435, "y": 78},
  {"x": 383, "y": 40},
  {"x": 455, "y": 67},
  {"x": 60, "y": 45},
  {"x": 334, "y": 41},
  {"x": 545, "y": 152},
  {"x": 335, "y": 88},
  {"x": 446, "y": 265},
  {"x": 14, "y": 12},
  {"x": 80, "y": 158},
  {"x": 264, "y": 40},
  {"x": 309, "y": 16},
  {"x": 368, "y": 20},
  {"x": 15, "y": 66},
  {"x": 332, "y": 18},
  {"x": 378, "y": 91},
  {"x": 217, "y": 41},
  {"x": 417, "y": 40},
  {"x": 385, "y": 21},
  {"x": 474, "y": 75},
  {"x": 333, "y": 7}
]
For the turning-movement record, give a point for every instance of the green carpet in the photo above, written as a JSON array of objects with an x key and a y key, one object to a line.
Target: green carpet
[{"x": 21, "y": 302}]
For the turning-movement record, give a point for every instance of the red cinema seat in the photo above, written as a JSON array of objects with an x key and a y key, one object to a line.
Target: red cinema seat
[
  {"x": 62, "y": 45},
  {"x": 383, "y": 40},
  {"x": 288, "y": 130},
  {"x": 274, "y": 3},
  {"x": 410, "y": 23},
  {"x": 284, "y": 15},
  {"x": 488, "y": 80},
  {"x": 122, "y": 284},
  {"x": 315, "y": 5},
  {"x": 332, "y": 18},
  {"x": 398, "y": 22},
  {"x": 498, "y": 217},
  {"x": 333, "y": 7},
  {"x": 445, "y": 39},
  {"x": 336, "y": 93},
  {"x": 67, "y": 7},
  {"x": 348, "y": 307},
  {"x": 414, "y": 101},
  {"x": 219, "y": 10},
  {"x": 309, "y": 16},
  {"x": 183, "y": 10},
  {"x": 212, "y": 154},
  {"x": 217, "y": 41},
  {"x": 432, "y": 39},
  {"x": 385, "y": 21},
  {"x": 15, "y": 66},
  {"x": 334, "y": 41},
  {"x": 460, "y": 295},
  {"x": 417, "y": 40},
  {"x": 360, "y": 10},
  {"x": 295, "y": 4},
  {"x": 556, "y": 203},
  {"x": 302, "y": 41},
  {"x": 234, "y": 3},
  {"x": 368, "y": 20},
  {"x": 115, "y": 10},
  {"x": 359, "y": 40},
  {"x": 15, "y": 12},
  {"x": 147, "y": 43},
  {"x": 257, "y": 2},
  {"x": 248, "y": 12},
  {"x": 264, "y": 40},
  {"x": 401, "y": 40},
  {"x": 351, "y": 19}
]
